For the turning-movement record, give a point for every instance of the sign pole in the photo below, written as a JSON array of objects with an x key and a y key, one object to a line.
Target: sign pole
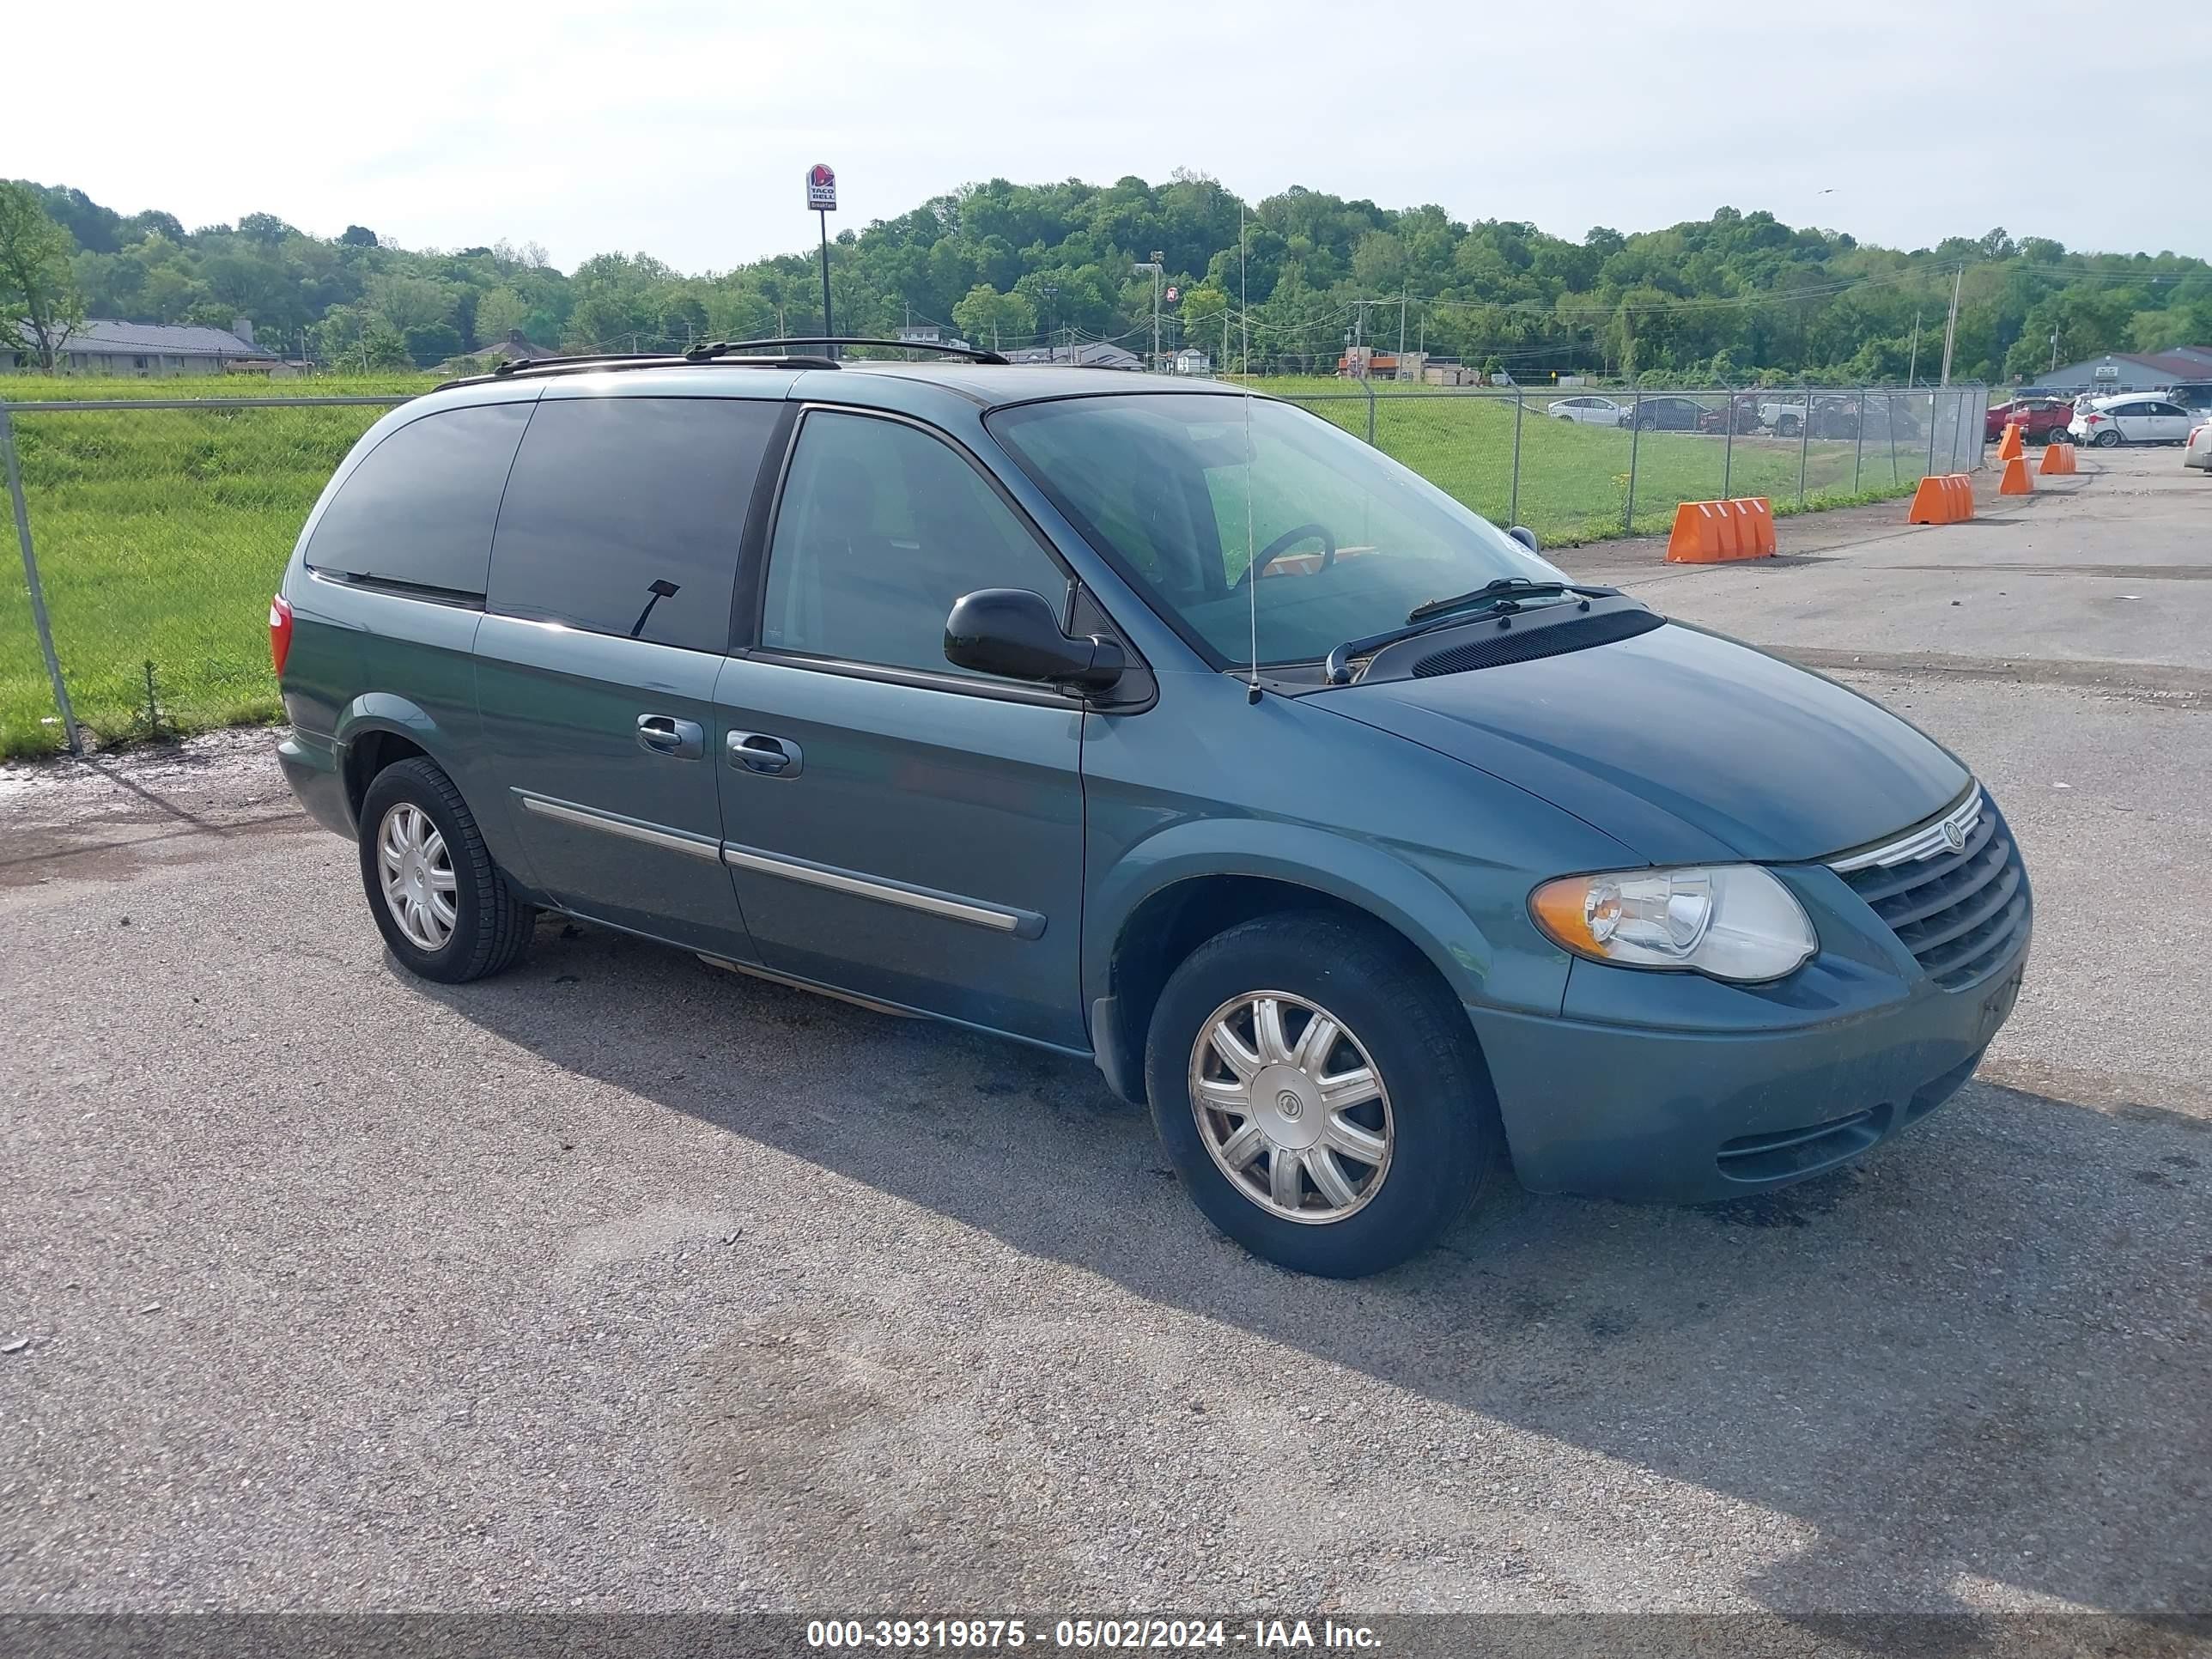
[{"x": 822, "y": 197}]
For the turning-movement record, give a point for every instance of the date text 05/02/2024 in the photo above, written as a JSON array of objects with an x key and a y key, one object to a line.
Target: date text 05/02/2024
[{"x": 1088, "y": 1635}]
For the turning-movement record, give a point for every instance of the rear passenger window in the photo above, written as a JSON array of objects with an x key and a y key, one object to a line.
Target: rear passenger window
[
  {"x": 419, "y": 508},
  {"x": 624, "y": 513}
]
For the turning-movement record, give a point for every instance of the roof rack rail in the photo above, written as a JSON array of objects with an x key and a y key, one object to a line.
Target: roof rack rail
[
  {"x": 594, "y": 363},
  {"x": 711, "y": 350}
]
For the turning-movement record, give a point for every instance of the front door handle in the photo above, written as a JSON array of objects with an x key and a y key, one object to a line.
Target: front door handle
[
  {"x": 772, "y": 757},
  {"x": 664, "y": 734}
]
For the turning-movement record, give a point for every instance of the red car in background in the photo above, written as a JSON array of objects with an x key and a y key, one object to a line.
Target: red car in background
[{"x": 2041, "y": 419}]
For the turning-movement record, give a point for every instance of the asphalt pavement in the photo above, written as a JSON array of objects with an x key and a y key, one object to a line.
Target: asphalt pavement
[{"x": 621, "y": 1282}]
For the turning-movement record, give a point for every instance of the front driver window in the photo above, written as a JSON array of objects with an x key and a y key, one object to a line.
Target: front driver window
[{"x": 882, "y": 527}]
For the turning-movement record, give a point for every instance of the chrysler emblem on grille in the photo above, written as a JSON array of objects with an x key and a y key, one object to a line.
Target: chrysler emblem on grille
[{"x": 1954, "y": 837}]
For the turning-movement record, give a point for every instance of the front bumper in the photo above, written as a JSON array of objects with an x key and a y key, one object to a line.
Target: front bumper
[{"x": 1688, "y": 1116}]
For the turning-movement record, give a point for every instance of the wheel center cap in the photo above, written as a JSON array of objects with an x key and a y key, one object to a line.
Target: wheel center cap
[{"x": 1288, "y": 1106}]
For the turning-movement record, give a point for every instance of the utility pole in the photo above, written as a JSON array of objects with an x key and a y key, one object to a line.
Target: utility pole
[
  {"x": 2054, "y": 348},
  {"x": 1401, "y": 333},
  {"x": 1154, "y": 265},
  {"x": 1951, "y": 326},
  {"x": 1912, "y": 366}
]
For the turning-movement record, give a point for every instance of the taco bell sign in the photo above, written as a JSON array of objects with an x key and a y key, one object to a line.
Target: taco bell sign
[{"x": 821, "y": 188}]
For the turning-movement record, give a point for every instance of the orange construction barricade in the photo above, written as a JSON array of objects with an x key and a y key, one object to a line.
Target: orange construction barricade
[
  {"x": 2008, "y": 447},
  {"x": 1716, "y": 532},
  {"x": 1755, "y": 514},
  {"x": 2057, "y": 460},
  {"x": 2015, "y": 480}
]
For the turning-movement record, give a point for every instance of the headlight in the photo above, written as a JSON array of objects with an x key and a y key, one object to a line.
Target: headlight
[{"x": 1733, "y": 921}]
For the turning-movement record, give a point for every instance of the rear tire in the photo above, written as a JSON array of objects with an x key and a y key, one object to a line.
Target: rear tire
[
  {"x": 2108, "y": 439},
  {"x": 1372, "y": 1181},
  {"x": 445, "y": 910}
]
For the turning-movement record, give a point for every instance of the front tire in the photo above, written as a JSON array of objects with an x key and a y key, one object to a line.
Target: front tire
[
  {"x": 1320, "y": 1094},
  {"x": 446, "y": 911}
]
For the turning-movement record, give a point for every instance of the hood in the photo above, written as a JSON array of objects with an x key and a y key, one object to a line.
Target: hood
[{"x": 1682, "y": 745}]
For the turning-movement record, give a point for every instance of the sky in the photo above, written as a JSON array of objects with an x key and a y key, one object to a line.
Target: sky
[{"x": 685, "y": 131}]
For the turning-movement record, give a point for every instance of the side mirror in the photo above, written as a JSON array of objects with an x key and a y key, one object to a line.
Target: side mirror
[
  {"x": 1526, "y": 536},
  {"x": 1013, "y": 632}
]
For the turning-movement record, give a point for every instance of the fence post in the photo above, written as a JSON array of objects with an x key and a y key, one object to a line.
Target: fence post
[
  {"x": 1889, "y": 408},
  {"x": 1513, "y": 511},
  {"x": 1931, "y": 435},
  {"x": 1858, "y": 437},
  {"x": 1728, "y": 445},
  {"x": 1367, "y": 387},
  {"x": 31, "y": 577},
  {"x": 1804, "y": 438},
  {"x": 1635, "y": 438}
]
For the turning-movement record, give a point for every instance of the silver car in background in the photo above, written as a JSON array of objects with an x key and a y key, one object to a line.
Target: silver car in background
[{"x": 1589, "y": 411}]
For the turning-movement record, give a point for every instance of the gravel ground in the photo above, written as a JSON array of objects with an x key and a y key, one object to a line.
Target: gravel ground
[{"x": 621, "y": 1283}]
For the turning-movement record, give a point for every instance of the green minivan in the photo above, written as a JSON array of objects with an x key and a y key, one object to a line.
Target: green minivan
[{"x": 1150, "y": 721}]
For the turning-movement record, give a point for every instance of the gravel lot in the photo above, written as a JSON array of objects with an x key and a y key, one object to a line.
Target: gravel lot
[{"x": 622, "y": 1283}]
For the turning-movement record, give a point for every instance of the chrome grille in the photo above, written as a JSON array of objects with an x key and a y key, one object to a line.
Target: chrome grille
[{"x": 1959, "y": 913}]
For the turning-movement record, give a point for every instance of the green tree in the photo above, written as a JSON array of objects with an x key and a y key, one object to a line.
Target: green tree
[
  {"x": 988, "y": 318},
  {"x": 501, "y": 312},
  {"x": 40, "y": 305}
]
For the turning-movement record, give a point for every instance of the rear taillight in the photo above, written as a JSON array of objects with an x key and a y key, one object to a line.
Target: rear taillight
[
  {"x": 2091, "y": 420},
  {"x": 280, "y": 631}
]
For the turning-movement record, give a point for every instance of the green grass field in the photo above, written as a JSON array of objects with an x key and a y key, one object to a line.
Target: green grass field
[
  {"x": 161, "y": 534},
  {"x": 160, "y": 537}
]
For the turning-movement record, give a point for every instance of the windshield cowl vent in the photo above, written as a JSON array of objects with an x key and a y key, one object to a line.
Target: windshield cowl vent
[{"x": 1496, "y": 647}]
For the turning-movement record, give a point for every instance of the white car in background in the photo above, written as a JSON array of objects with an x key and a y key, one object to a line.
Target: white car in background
[
  {"x": 1590, "y": 411},
  {"x": 2199, "y": 453},
  {"x": 2133, "y": 417}
]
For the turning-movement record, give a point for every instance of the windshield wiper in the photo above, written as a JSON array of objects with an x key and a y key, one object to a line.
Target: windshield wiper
[
  {"x": 1505, "y": 587},
  {"x": 1445, "y": 613}
]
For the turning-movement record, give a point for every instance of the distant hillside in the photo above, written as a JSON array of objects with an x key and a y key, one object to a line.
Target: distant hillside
[{"x": 1733, "y": 297}]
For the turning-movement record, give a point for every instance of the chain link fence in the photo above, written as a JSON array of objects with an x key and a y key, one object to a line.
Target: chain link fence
[
  {"x": 1578, "y": 464},
  {"x": 153, "y": 531}
]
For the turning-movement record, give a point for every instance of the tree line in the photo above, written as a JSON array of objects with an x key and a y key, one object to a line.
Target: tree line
[{"x": 1283, "y": 284}]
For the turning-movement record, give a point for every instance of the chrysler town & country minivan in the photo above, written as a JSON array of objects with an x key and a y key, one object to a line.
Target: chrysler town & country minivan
[{"x": 1156, "y": 724}]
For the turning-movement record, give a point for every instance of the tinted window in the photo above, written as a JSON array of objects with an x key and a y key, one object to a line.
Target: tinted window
[
  {"x": 419, "y": 507},
  {"x": 881, "y": 528},
  {"x": 624, "y": 513},
  {"x": 2168, "y": 409}
]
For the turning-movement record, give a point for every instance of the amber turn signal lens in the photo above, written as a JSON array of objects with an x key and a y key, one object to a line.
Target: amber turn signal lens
[{"x": 1563, "y": 910}]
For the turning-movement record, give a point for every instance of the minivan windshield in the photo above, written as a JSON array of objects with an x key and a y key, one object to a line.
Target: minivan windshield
[{"x": 1346, "y": 541}]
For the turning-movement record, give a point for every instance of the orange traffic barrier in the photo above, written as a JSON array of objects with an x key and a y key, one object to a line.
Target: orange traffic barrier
[
  {"x": 2015, "y": 480},
  {"x": 2008, "y": 447},
  {"x": 1717, "y": 532},
  {"x": 1755, "y": 514},
  {"x": 1942, "y": 498},
  {"x": 2057, "y": 460}
]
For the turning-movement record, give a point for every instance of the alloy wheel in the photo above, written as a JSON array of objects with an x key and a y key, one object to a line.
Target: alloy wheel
[
  {"x": 1291, "y": 1106},
  {"x": 415, "y": 871}
]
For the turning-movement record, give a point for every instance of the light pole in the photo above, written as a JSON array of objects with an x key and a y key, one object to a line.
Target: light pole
[
  {"x": 1051, "y": 318},
  {"x": 1154, "y": 265}
]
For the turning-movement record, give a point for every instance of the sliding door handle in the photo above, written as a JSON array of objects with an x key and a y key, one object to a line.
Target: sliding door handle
[{"x": 772, "y": 757}]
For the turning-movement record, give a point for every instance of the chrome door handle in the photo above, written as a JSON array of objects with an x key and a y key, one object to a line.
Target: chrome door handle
[
  {"x": 664, "y": 734},
  {"x": 772, "y": 757}
]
